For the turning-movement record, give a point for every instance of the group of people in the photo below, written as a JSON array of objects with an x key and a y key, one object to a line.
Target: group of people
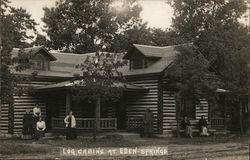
[
  {"x": 34, "y": 125},
  {"x": 186, "y": 125}
]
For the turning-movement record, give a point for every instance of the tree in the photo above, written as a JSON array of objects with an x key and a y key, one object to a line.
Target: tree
[
  {"x": 166, "y": 37},
  {"x": 213, "y": 26},
  {"x": 191, "y": 77},
  {"x": 14, "y": 24},
  {"x": 227, "y": 49},
  {"x": 41, "y": 40},
  {"x": 81, "y": 27},
  {"x": 101, "y": 80},
  {"x": 141, "y": 34},
  {"x": 192, "y": 17}
]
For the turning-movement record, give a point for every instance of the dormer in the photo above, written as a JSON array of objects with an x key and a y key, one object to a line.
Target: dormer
[
  {"x": 40, "y": 62},
  {"x": 40, "y": 57},
  {"x": 142, "y": 56}
]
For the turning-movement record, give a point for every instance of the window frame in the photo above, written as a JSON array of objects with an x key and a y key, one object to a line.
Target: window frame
[
  {"x": 141, "y": 65},
  {"x": 39, "y": 62}
]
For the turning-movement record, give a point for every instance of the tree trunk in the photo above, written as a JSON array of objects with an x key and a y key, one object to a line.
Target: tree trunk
[{"x": 97, "y": 117}]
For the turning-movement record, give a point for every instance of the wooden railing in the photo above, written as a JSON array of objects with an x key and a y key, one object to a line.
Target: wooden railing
[
  {"x": 135, "y": 124},
  {"x": 217, "y": 122},
  {"x": 86, "y": 123}
]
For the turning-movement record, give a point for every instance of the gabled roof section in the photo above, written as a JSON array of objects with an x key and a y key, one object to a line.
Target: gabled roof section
[
  {"x": 165, "y": 55},
  {"x": 34, "y": 51},
  {"x": 155, "y": 51}
]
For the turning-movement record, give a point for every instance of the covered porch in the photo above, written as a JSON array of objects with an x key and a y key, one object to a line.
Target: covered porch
[
  {"x": 230, "y": 112},
  {"x": 60, "y": 100},
  {"x": 86, "y": 123}
]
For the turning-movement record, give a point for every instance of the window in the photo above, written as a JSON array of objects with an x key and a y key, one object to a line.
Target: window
[
  {"x": 137, "y": 63},
  {"x": 188, "y": 109},
  {"x": 40, "y": 63}
]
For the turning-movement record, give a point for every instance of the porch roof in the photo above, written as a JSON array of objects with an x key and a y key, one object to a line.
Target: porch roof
[{"x": 69, "y": 84}]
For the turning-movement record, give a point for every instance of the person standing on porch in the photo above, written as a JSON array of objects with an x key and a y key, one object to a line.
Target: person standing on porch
[
  {"x": 186, "y": 125},
  {"x": 35, "y": 118},
  {"x": 148, "y": 123},
  {"x": 70, "y": 122},
  {"x": 37, "y": 111},
  {"x": 27, "y": 125},
  {"x": 203, "y": 126},
  {"x": 36, "y": 114}
]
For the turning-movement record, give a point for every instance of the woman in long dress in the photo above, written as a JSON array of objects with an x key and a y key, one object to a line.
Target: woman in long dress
[
  {"x": 148, "y": 123},
  {"x": 35, "y": 118},
  {"x": 70, "y": 122},
  {"x": 27, "y": 125}
]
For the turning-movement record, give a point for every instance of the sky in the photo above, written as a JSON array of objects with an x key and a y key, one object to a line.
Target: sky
[{"x": 156, "y": 12}]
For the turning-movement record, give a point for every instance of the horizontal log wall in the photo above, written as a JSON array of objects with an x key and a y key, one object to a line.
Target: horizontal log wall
[
  {"x": 137, "y": 102},
  {"x": 169, "y": 111},
  {"x": 21, "y": 104},
  {"x": 5, "y": 119},
  {"x": 201, "y": 109},
  {"x": 24, "y": 102}
]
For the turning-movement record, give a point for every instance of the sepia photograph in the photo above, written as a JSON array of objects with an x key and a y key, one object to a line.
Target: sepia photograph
[{"x": 125, "y": 80}]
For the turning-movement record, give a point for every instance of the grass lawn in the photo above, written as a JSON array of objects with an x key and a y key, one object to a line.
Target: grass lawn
[{"x": 219, "y": 147}]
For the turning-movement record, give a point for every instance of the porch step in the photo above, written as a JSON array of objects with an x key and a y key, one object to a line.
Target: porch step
[
  {"x": 221, "y": 132},
  {"x": 124, "y": 134},
  {"x": 49, "y": 134}
]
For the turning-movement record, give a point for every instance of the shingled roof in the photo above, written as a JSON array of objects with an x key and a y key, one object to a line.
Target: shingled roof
[
  {"x": 64, "y": 63},
  {"x": 166, "y": 55},
  {"x": 33, "y": 51},
  {"x": 154, "y": 51}
]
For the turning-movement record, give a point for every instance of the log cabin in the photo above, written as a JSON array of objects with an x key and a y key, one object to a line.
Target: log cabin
[{"x": 145, "y": 88}]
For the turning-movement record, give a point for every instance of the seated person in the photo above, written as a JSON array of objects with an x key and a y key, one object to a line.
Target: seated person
[
  {"x": 203, "y": 126},
  {"x": 186, "y": 125},
  {"x": 40, "y": 127}
]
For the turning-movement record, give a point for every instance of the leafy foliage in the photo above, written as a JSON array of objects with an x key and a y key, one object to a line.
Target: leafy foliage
[
  {"x": 214, "y": 28},
  {"x": 14, "y": 26},
  {"x": 192, "y": 75},
  {"x": 81, "y": 27},
  {"x": 77, "y": 27},
  {"x": 147, "y": 36},
  {"x": 192, "y": 17},
  {"x": 227, "y": 50},
  {"x": 101, "y": 77}
]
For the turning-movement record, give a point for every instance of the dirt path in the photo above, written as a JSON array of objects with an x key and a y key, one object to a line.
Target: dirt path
[{"x": 178, "y": 149}]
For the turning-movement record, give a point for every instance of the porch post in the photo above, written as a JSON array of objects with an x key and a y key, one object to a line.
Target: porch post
[
  {"x": 98, "y": 113},
  {"x": 224, "y": 110},
  {"x": 68, "y": 103}
]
